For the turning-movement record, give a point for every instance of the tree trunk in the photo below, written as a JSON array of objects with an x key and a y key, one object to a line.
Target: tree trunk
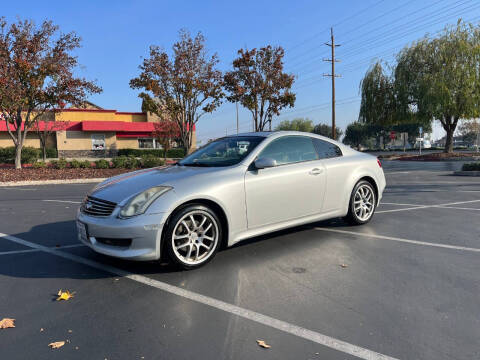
[
  {"x": 449, "y": 141},
  {"x": 18, "y": 156},
  {"x": 449, "y": 124},
  {"x": 44, "y": 150}
]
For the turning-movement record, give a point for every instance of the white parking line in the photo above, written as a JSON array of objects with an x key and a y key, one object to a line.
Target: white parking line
[
  {"x": 286, "y": 327},
  {"x": 441, "y": 206},
  {"x": 35, "y": 250},
  {"x": 64, "y": 201},
  {"x": 458, "y": 208},
  {"x": 408, "y": 241}
]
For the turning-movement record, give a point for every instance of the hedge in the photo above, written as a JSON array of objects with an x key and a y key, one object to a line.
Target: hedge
[
  {"x": 471, "y": 166},
  {"x": 172, "y": 153},
  {"x": 29, "y": 154}
]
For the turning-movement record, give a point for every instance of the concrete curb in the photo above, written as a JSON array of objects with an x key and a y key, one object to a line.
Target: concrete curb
[
  {"x": 467, "y": 173},
  {"x": 51, "y": 182}
]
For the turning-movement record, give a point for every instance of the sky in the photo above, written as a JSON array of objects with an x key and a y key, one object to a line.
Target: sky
[{"x": 116, "y": 36}]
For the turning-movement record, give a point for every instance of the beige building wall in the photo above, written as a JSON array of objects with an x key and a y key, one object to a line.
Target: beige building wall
[
  {"x": 31, "y": 140},
  {"x": 80, "y": 140},
  {"x": 127, "y": 143}
]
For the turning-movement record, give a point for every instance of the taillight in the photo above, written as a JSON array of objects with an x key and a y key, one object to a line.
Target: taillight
[{"x": 379, "y": 162}]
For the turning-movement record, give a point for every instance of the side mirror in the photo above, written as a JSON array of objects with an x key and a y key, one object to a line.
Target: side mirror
[{"x": 265, "y": 162}]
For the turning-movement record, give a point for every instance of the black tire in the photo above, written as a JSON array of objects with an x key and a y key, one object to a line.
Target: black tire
[
  {"x": 177, "y": 247},
  {"x": 353, "y": 217}
]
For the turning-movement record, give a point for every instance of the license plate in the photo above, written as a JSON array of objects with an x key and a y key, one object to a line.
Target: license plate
[{"x": 82, "y": 232}]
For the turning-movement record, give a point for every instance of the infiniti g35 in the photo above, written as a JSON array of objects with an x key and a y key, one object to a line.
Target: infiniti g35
[{"x": 231, "y": 189}]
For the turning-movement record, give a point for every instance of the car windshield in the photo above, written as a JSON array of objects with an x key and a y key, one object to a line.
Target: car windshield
[{"x": 222, "y": 152}]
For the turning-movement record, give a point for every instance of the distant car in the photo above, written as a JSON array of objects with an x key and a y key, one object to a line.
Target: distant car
[{"x": 231, "y": 189}]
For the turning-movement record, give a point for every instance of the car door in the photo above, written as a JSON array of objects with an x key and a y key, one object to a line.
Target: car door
[
  {"x": 292, "y": 189},
  {"x": 337, "y": 170}
]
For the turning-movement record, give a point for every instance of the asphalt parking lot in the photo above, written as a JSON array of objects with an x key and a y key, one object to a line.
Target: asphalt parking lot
[{"x": 409, "y": 287}]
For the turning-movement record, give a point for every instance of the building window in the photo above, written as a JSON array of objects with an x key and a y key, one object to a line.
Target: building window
[
  {"x": 148, "y": 143},
  {"x": 98, "y": 142}
]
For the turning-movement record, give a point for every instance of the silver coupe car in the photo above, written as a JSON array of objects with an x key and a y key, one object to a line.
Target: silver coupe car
[{"x": 231, "y": 189}]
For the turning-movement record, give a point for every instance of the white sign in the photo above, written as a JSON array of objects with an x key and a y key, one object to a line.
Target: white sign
[{"x": 419, "y": 139}]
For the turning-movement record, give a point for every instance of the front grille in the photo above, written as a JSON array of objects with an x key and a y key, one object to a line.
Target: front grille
[{"x": 97, "y": 207}]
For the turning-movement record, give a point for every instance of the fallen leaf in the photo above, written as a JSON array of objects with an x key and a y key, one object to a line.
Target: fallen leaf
[
  {"x": 56, "y": 344},
  {"x": 65, "y": 295},
  {"x": 344, "y": 265},
  {"x": 263, "y": 344},
  {"x": 7, "y": 323}
]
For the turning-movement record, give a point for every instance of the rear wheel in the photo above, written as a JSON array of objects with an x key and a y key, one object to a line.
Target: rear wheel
[
  {"x": 362, "y": 203},
  {"x": 193, "y": 236}
]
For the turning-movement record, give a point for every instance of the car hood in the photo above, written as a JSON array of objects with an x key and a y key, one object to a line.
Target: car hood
[{"x": 122, "y": 187}]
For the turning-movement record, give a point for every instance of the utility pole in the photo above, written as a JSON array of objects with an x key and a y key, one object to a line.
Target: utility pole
[
  {"x": 333, "y": 76},
  {"x": 270, "y": 122},
  {"x": 236, "y": 103}
]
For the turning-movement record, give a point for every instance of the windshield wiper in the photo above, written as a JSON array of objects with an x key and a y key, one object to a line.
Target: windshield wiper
[{"x": 196, "y": 164}]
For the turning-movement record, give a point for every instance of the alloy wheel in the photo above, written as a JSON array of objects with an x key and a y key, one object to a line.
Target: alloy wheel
[
  {"x": 364, "y": 202},
  {"x": 195, "y": 237}
]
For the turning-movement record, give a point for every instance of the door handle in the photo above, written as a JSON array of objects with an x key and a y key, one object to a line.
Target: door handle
[{"x": 316, "y": 171}]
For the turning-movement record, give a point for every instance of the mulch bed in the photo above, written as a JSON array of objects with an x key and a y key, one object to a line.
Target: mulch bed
[
  {"x": 31, "y": 174},
  {"x": 439, "y": 156}
]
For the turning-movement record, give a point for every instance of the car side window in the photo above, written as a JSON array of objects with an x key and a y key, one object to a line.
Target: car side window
[
  {"x": 326, "y": 150},
  {"x": 290, "y": 149}
]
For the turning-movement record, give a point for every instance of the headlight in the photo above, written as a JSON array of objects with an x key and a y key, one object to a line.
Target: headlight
[{"x": 139, "y": 203}]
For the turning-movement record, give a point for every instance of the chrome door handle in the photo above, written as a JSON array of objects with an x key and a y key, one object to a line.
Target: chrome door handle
[{"x": 316, "y": 171}]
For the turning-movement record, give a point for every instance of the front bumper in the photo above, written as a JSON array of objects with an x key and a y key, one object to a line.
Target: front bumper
[{"x": 144, "y": 231}]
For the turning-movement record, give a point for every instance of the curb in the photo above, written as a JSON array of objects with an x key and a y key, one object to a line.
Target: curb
[
  {"x": 467, "y": 173},
  {"x": 51, "y": 182}
]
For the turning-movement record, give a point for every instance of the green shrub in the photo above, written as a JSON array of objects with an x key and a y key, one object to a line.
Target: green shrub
[
  {"x": 59, "y": 164},
  {"x": 75, "y": 164},
  {"x": 85, "y": 164},
  {"x": 29, "y": 155},
  {"x": 471, "y": 167},
  {"x": 102, "y": 164},
  {"x": 176, "y": 153},
  {"x": 51, "y": 153},
  {"x": 119, "y": 162},
  {"x": 39, "y": 165},
  {"x": 172, "y": 153},
  {"x": 150, "y": 161},
  {"x": 131, "y": 162}
]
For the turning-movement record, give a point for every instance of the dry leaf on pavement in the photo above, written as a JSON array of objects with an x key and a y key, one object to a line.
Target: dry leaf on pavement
[
  {"x": 65, "y": 295},
  {"x": 263, "y": 344},
  {"x": 7, "y": 323},
  {"x": 56, "y": 344},
  {"x": 344, "y": 265}
]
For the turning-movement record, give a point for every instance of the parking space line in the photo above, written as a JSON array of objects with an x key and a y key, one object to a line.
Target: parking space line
[
  {"x": 64, "y": 201},
  {"x": 440, "y": 206},
  {"x": 408, "y": 241},
  {"x": 458, "y": 208},
  {"x": 13, "y": 252},
  {"x": 404, "y": 209},
  {"x": 284, "y": 326},
  {"x": 400, "y": 204},
  {"x": 18, "y": 251}
]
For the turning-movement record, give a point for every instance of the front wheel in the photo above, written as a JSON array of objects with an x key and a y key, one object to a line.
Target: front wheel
[
  {"x": 193, "y": 236},
  {"x": 362, "y": 203}
]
